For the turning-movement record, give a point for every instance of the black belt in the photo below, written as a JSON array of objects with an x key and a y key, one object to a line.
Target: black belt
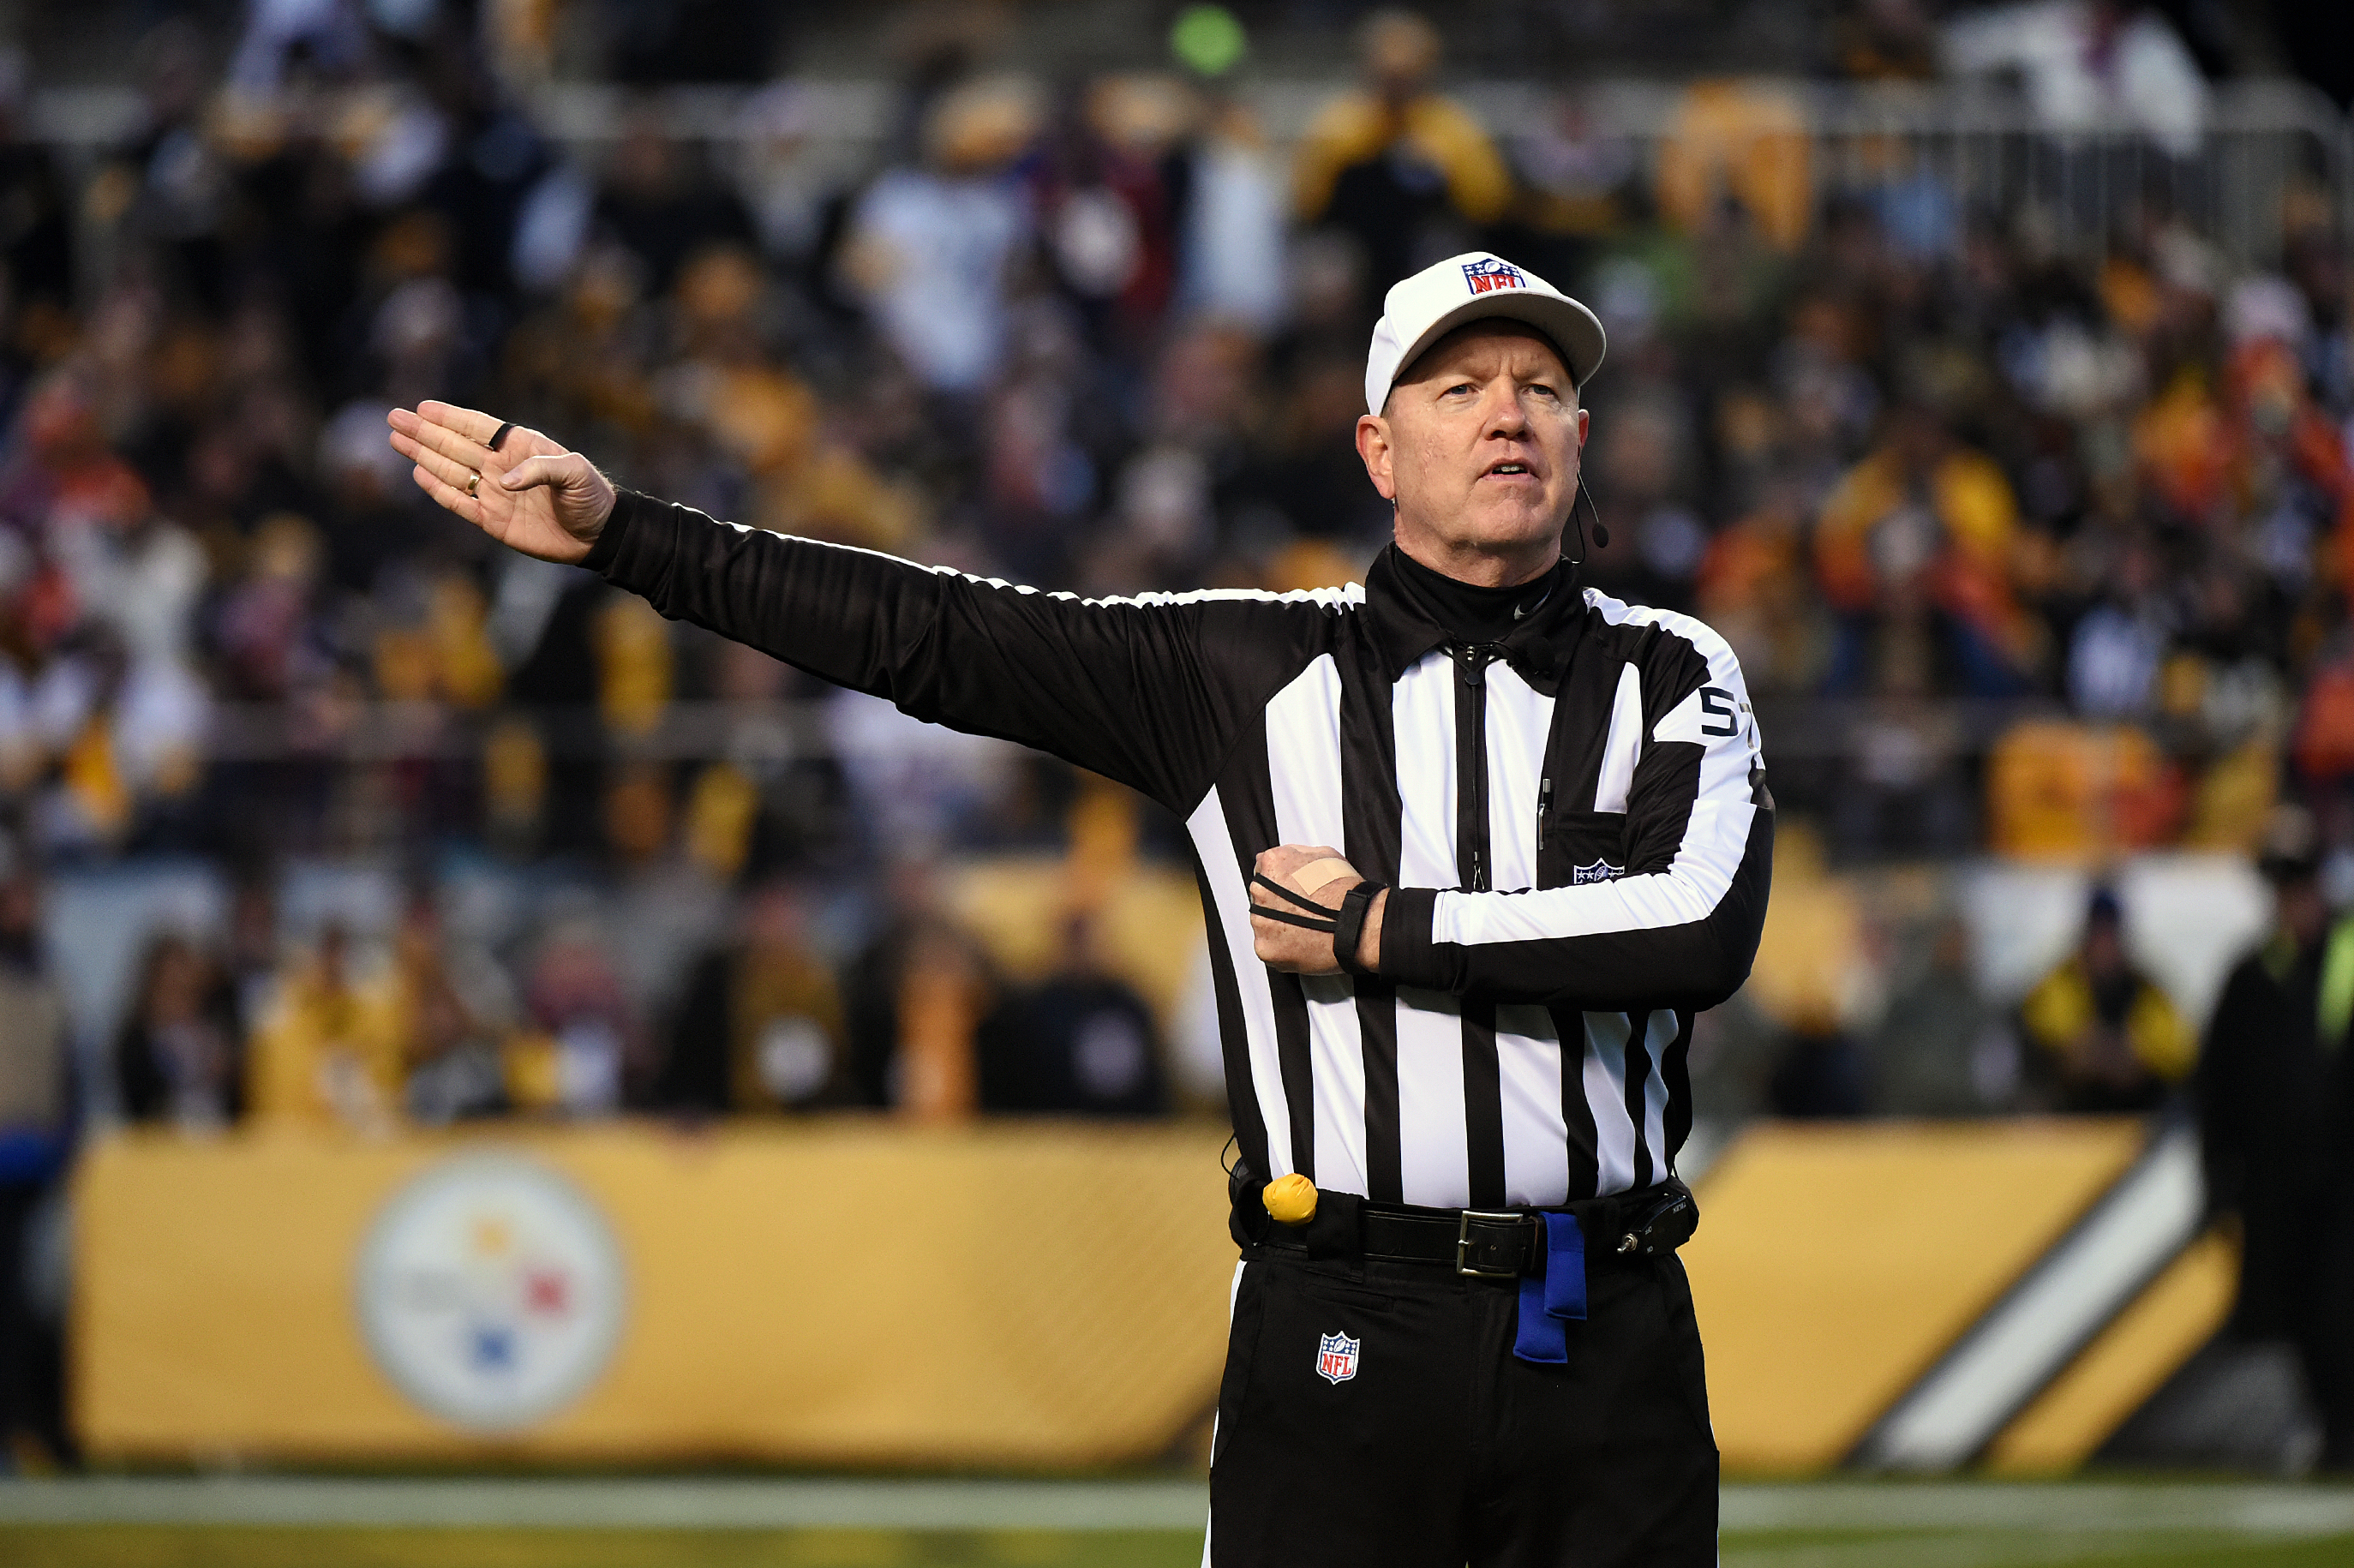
[{"x": 1505, "y": 1244}]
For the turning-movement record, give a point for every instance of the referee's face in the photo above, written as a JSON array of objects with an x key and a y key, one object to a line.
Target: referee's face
[{"x": 1478, "y": 448}]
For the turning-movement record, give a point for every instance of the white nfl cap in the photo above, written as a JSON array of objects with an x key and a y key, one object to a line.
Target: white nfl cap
[{"x": 1422, "y": 309}]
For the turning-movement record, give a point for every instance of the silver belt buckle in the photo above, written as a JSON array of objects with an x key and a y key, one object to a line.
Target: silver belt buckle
[{"x": 1463, "y": 1243}]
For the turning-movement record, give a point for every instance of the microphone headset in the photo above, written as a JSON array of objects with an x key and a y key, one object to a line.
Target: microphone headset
[{"x": 1601, "y": 533}]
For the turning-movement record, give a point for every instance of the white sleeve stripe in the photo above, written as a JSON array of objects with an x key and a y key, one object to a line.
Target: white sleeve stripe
[
  {"x": 1348, "y": 596},
  {"x": 1697, "y": 633},
  {"x": 1687, "y": 892},
  {"x": 1715, "y": 839}
]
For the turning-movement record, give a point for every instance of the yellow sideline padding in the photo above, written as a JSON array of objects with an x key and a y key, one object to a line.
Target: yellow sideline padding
[
  {"x": 1026, "y": 1294},
  {"x": 1834, "y": 1263},
  {"x": 846, "y": 1292},
  {"x": 2181, "y": 1310}
]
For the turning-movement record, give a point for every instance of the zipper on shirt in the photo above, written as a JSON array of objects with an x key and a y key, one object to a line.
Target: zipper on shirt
[
  {"x": 1471, "y": 661},
  {"x": 1544, "y": 809}
]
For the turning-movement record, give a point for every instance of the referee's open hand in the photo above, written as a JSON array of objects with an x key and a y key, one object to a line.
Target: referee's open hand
[
  {"x": 530, "y": 494},
  {"x": 1295, "y": 948}
]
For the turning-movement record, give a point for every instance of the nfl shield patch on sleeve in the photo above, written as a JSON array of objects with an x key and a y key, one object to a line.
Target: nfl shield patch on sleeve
[{"x": 1336, "y": 1358}]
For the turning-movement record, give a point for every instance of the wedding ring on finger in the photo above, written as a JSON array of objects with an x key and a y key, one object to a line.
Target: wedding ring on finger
[{"x": 473, "y": 481}]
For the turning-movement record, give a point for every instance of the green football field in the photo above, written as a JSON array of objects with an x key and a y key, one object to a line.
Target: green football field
[{"x": 639, "y": 1523}]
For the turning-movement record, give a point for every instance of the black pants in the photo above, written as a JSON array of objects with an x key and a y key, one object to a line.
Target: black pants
[
  {"x": 1441, "y": 1447},
  {"x": 30, "y": 1382}
]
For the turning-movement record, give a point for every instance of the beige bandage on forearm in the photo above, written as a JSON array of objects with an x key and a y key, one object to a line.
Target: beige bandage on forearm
[{"x": 1316, "y": 874}]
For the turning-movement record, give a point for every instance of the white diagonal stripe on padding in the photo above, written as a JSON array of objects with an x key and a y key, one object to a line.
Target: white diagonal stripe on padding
[{"x": 2070, "y": 1295}]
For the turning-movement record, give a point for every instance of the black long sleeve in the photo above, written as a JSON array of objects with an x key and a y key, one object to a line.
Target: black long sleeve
[{"x": 1151, "y": 692}]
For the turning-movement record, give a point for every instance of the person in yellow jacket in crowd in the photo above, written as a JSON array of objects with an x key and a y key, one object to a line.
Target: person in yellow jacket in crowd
[
  {"x": 332, "y": 1047},
  {"x": 2104, "y": 1037},
  {"x": 1921, "y": 534},
  {"x": 1394, "y": 158}
]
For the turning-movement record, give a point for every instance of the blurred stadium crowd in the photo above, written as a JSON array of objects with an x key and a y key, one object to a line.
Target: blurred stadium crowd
[{"x": 2035, "y": 550}]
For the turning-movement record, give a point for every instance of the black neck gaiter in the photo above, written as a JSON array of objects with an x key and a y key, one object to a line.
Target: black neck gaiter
[{"x": 1469, "y": 611}]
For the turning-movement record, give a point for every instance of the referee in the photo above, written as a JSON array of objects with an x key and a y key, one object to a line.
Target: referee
[{"x": 1474, "y": 845}]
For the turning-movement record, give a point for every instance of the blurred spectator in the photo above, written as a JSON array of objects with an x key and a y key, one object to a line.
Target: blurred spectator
[
  {"x": 1914, "y": 550},
  {"x": 932, "y": 248},
  {"x": 264, "y": 634},
  {"x": 1230, "y": 264},
  {"x": 785, "y": 188},
  {"x": 659, "y": 207},
  {"x": 1821, "y": 1072},
  {"x": 36, "y": 238},
  {"x": 250, "y": 970},
  {"x": 1108, "y": 197},
  {"x": 456, "y": 1009},
  {"x": 2272, "y": 1116},
  {"x": 2104, "y": 1038},
  {"x": 1940, "y": 1050},
  {"x": 35, "y": 1111},
  {"x": 2332, "y": 1351},
  {"x": 330, "y": 1051},
  {"x": 913, "y": 1000},
  {"x": 179, "y": 1057},
  {"x": 1407, "y": 173},
  {"x": 761, "y": 1026},
  {"x": 318, "y": 35},
  {"x": 1081, "y": 1042},
  {"x": 1742, "y": 143},
  {"x": 692, "y": 41},
  {"x": 2090, "y": 65},
  {"x": 594, "y": 1053},
  {"x": 1887, "y": 40}
]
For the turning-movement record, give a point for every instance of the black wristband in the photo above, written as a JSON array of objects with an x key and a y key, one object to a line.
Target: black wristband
[
  {"x": 1349, "y": 930},
  {"x": 1305, "y": 922}
]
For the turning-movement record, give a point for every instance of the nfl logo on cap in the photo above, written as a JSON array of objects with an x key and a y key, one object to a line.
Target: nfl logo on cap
[
  {"x": 1336, "y": 1358},
  {"x": 1475, "y": 286},
  {"x": 1487, "y": 274}
]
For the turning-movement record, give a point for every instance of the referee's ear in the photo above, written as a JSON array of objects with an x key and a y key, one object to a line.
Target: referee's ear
[{"x": 1373, "y": 447}]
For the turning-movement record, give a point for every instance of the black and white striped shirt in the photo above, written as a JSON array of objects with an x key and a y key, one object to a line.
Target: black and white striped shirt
[{"x": 1573, "y": 822}]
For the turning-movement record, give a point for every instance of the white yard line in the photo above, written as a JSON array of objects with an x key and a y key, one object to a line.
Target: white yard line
[
  {"x": 2065, "y": 1522},
  {"x": 629, "y": 1504},
  {"x": 1977, "y": 1550},
  {"x": 2240, "y": 1509}
]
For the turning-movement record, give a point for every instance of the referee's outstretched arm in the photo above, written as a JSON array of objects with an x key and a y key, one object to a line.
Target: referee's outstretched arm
[
  {"x": 1156, "y": 692},
  {"x": 1142, "y": 690}
]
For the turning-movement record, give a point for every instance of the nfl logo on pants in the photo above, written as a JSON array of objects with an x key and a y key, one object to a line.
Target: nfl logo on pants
[{"x": 1336, "y": 1358}]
